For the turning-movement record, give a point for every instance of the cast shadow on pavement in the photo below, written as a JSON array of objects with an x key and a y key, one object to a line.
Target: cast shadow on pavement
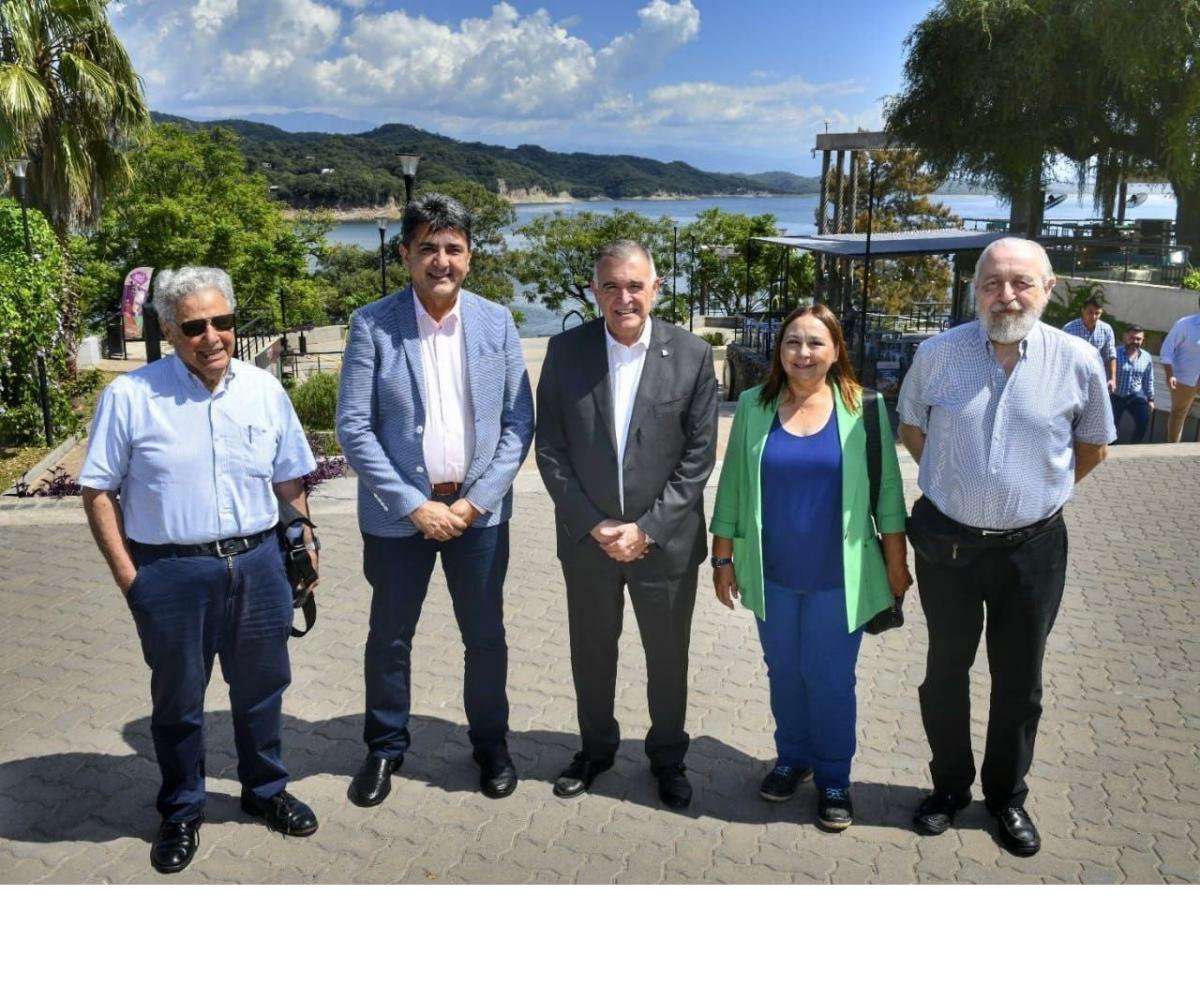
[{"x": 98, "y": 797}]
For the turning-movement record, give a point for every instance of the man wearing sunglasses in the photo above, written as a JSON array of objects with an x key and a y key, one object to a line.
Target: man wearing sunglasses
[
  {"x": 435, "y": 414},
  {"x": 186, "y": 459}
]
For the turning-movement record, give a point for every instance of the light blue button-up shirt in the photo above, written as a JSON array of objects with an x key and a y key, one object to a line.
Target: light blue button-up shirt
[
  {"x": 999, "y": 451},
  {"x": 194, "y": 466},
  {"x": 1101, "y": 338},
  {"x": 1135, "y": 377}
]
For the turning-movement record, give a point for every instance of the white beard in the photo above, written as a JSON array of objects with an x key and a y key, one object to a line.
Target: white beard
[{"x": 1008, "y": 327}]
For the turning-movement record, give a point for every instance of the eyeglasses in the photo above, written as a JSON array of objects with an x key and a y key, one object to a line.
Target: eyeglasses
[{"x": 198, "y": 326}]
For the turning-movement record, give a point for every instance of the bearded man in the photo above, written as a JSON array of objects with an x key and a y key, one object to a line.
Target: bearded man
[{"x": 1005, "y": 415}]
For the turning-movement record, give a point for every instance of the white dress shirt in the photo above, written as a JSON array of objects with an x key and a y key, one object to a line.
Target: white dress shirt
[
  {"x": 194, "y": 466},
  {"x": 625, "y": 364},
  {"x": 1181, "y": 350},
  {"x": 448, "y": 440}
]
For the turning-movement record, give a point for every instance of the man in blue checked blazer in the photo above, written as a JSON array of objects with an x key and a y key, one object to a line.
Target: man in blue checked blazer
[{"x": 435, "y": 415}]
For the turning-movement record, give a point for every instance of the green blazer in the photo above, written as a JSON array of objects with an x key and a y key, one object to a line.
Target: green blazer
[{"x": 738, "y": 510}]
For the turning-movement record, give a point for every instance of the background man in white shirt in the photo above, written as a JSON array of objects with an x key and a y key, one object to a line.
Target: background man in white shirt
[
  {"x": 435, "y": 415},
  {"x": 1180, "y": 355}
]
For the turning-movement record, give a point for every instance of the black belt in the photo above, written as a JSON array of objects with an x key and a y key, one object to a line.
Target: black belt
[
  {"x": 229, "y": 547},
  {"x": 1014, "y": 534}
]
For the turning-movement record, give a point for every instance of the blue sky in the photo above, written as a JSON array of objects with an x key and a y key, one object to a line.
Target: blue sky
[{"x": 722, "y": 84}]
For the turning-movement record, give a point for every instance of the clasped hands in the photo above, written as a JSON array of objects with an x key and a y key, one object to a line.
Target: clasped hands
[
  {"x": 437, "y": 521},
  {"x": 621, "y": 541}
]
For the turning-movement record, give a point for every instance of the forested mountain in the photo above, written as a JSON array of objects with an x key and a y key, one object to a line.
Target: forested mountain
[{"x": 324, "y": 170}]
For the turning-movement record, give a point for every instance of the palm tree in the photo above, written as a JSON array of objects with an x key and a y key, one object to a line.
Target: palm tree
[{"x": 70, "y": 101}]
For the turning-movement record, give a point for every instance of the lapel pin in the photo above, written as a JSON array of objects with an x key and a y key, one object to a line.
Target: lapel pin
[{"x": 666, "y": 353}]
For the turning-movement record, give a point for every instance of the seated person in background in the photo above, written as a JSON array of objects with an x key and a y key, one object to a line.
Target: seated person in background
[{"x": 1135, "y": 385}]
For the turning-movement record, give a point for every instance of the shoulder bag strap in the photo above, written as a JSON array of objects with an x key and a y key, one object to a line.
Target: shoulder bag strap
[{"x": 870, "y": 409}]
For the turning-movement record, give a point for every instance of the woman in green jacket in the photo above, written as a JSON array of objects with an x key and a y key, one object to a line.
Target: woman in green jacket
[{"x": 793, "y": 535}]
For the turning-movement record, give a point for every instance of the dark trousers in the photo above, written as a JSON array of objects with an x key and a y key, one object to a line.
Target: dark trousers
[
  {"x": 1020, "y": 587},
  {"x": 662, "y": 604},
  {"x": 188, "y": 610},
  {"x": 1139, "y": 409},
  {"x": 398, "y": 570}
]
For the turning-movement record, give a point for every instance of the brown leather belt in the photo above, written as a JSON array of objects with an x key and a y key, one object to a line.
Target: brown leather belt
[{"x": 446, "y": 488}]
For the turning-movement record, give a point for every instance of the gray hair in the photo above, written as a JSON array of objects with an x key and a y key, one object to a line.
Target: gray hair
[
  {"x": 622, "y": 249},
  {"x": 440, "y": 211},
  {"x": 172, "y": 286},
  {"x": 1047, "y": 269}
]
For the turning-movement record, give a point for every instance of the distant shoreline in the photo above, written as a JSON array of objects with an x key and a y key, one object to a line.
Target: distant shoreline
[{"x": 392, "y": 211}]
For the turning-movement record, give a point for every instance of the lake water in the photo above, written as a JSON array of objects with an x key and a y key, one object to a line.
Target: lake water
[{"x": 795, "y": 214}]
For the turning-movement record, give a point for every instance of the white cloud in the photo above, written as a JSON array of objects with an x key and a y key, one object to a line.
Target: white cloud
[{"x": 507, "y": 76}]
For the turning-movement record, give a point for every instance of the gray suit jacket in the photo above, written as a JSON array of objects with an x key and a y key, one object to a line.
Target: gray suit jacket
[
  {"x": 381, "y": 411},
  {"x": 670, "y": 452}
]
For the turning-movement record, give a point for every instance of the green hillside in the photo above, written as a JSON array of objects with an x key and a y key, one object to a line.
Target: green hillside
[{"x": 342, "y": 171}]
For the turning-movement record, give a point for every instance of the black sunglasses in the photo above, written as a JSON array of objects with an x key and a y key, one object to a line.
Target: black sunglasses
[{"x": 198, "y": 326}]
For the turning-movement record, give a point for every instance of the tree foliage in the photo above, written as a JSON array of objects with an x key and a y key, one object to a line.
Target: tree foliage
[
  {"x": 33, "y": 294},
  {"x": 903, "y": 184},
  {"x": 556, "y": 261},
  {"x": 69, "y": 97},
  {"x": 192, "y": 201},
  {"x": 997, "y": 90},
  {"x": 722, "y": 278}
]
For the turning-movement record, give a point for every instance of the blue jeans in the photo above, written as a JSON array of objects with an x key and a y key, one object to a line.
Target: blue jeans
[
  {"x": 398, "y": 570},
  {"x": 188, "y": 610},
  {"x": 1139, "y": 408},
  {"x": 810, "y": 665}
]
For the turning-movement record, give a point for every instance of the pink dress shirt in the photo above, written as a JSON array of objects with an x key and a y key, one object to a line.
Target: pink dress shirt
[{"x": 448, "y": 440}]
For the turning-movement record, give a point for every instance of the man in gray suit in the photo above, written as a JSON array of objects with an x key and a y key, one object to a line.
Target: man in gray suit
[
  {"x": 626, "y": 439},
  {"x": 435, "y": 415}
]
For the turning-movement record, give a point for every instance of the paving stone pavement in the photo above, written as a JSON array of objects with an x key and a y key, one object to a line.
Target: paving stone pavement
[{"x": 1115, "y": 784}]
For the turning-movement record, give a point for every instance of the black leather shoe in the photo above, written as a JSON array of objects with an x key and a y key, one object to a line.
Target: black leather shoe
[
  {"x": 834, "y": 810},
  {"x": 674, "y": 790},
  {"x": 937, "y": 811},
  {"x": 1017, "y": 831},
  {"x": 497, "y": 778},
  {"x": 373, "y": 781},
  {"x": 578, "y": 777},
  {"x": 283, "y": 812},
  {"x": 781, "y": 783},
  {"x": 175, "y": 845}
]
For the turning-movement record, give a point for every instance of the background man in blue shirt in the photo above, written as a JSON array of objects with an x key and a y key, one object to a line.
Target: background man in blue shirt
[
  {"x": 185, "y": 460},
  {"x": 1135, "y": 384},
  {"x": 1005, "y": 415},
  {"x": 1097, "y": 333}
]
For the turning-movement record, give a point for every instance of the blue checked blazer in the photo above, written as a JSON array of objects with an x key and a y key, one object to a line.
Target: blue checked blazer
[{"x": 381, "y": 411}]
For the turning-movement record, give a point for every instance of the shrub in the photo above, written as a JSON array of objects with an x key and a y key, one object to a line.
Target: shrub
[
  {"x": 33, "y": 300},
  {"x": 315, "y": 401},
  {"x": 1191, "y": 280},
  {"x": 714, "y": 338}
]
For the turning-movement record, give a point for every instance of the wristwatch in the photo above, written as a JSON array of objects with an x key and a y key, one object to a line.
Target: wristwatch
[{"x": 720, "y": 562}]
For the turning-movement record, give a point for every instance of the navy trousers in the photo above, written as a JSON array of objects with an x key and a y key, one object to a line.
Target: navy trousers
[
  {"x": 1139, "y": 409},
  {"x": 810, "y": 669},
  {"x": 188, "y": 610},
  {"x": 398, "y": 570}
]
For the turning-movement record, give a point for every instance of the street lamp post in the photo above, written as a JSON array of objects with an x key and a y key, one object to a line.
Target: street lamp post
[
  {"x": 866, "y": 291},
  {"x": 18, "y": 166},
  {"x": 382, "y": 223},
  {"x": 408, "y": 168}
]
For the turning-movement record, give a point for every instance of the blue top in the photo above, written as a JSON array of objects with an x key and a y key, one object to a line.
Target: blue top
[
  {"x": 1101, "y": 338},
  {"x": 1000, "y": 451},
  {"x": 802, "y": 508},
  {"x": 194, "y": 466},
  {"x": 1135, "y": 377}
]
